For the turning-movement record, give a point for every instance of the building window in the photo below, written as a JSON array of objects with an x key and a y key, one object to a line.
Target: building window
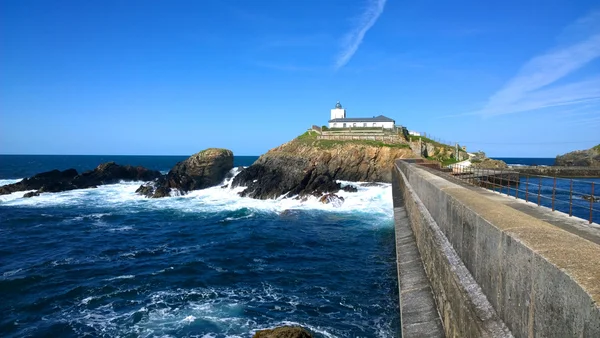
[
  {"x": 344, "y": 125},
  {"x": 374, "y": 124},
  {"x": 365, "y": 124},
  {"x": 354, "y": 125}
]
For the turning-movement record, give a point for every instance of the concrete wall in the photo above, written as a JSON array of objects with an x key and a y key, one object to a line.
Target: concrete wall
[{"x": 493, "y": 267}]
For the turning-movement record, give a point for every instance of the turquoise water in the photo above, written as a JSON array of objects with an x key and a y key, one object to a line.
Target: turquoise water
[{"x": 105, "y": 262}]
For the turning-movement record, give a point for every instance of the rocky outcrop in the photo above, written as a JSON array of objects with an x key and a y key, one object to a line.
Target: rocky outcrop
[
  {"x": 201, "y": 170},
  {"x": 307, "y": 166},
  {"x": 489, "y": 163},
  {"x": 56, "y": 180},
  {"x": 283, "y": 332},
  {"x": 332, "y": 199},
  {"x": 580, "y": 158}
]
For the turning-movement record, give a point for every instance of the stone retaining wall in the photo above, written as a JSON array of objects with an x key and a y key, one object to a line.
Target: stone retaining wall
[{"x": 492, "y": 267}]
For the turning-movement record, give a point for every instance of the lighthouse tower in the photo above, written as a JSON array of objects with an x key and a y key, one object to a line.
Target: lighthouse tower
[{"x": 338, "y": 112}]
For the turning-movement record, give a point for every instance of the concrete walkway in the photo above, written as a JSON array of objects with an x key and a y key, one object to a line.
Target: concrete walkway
[{"x": 419, "y": 315}]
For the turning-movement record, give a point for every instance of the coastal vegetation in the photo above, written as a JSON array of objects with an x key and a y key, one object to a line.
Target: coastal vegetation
[
  {"x": 309, "y": 138},
  {"x": 580, "y": 158}
]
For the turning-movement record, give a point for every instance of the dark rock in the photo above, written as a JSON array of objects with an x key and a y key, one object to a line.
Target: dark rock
[
  {"x": 350, "y": 188},
  {"x": 332, "y": 199},
  {"x": 56, "y": 181},
  {"x": 283, "y": 332},
  {"x": 146, "y": 189},
  {"x": 202, "y": 170},
  {"x": 36, "y": 182},
  {"x": 31, "y": 194},
  {"x": 273, "y": 175}
]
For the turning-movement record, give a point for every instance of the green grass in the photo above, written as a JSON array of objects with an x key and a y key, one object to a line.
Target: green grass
[
  {"x": 327, "y": 144},
  {"x": 310, "y": 138},
  {"x": 597, "y": 148},
  {"x": 449, "y": 162}
]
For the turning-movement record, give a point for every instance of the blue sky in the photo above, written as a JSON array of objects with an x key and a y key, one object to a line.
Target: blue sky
[{"x": 512, "y": 78}]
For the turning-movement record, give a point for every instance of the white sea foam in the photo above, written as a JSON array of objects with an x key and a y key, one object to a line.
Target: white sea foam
[
  {"x": 168, "y": 310},
  {"x": 9, "y": 181},
  {"x": 375, "y": 200},
  {"x": 121, "y": 277}
]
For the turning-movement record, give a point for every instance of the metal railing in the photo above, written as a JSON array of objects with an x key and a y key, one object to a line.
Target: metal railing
[{"x": 575, "y": 197}]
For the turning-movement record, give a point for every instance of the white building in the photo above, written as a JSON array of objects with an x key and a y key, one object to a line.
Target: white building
[
  {"x": 414, "y": 133},
  {"x": 339, "y": 120}
]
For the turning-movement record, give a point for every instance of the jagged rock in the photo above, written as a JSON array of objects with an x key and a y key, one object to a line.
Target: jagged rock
[
  {"x": 283, "y": 332},
  {"x": 273, "y": 175},
  {"x": 31, "y": 194},
  {"x": 56, "y": 180},
  {"x": 146, "y": 189},
  {"x": 201, "y": 170},
  {"x": 332, "y": 199},
  {"x": 580, "y": 158},
  {"x": 488, "y": 163}
]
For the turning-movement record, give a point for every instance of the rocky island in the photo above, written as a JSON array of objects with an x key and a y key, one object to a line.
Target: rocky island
[
  {"x": 580, "y": 158},
  {"x": 306, "y": 166},
  {"x": 579, "y": 163},
  {"x": 70, "y": 179},
  {"x": 309, "y": 166}
]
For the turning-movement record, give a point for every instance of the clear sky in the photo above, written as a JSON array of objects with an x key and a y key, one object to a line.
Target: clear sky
[{"x": 512, "y": 78}]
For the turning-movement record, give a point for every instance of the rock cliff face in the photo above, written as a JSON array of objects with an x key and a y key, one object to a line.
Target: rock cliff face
[
  {"x": 56, "y": 180},
  {"x": 201, "y": 170},
  {"x": 580, "y": 158},
  {"x": 307, "y": 166}
]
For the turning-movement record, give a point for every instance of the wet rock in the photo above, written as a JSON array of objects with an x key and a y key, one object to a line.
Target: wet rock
[
  {"x": 350, "y": 188},
  {"x": 273, "y": 175},
  {"x": 332, "y": 199},
  {"x": 283, "y": 332},
  {"x": 202, "y": 170},
  {"x": 31, "y": 194},
  {"x": 57, "y": 181}
]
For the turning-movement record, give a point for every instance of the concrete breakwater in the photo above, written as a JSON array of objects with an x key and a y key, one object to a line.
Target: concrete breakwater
[
  {"x": 558, "y": 171},
  {"x": 496, "y": 267}
]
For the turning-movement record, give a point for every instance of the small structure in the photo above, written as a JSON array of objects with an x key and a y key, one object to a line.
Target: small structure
[
  {"x": 414, "y": 133},
  {"x": 339, "y": 120}
]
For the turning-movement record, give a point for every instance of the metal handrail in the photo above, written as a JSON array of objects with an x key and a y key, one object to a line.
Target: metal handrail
[{"x": 503, "y": 182}]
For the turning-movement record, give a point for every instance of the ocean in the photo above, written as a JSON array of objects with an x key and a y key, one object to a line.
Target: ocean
[
  {"x": 106, "y": 262},
  {"x": 526, "y": 161}
]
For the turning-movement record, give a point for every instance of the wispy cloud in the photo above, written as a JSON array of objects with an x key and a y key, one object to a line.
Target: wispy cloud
[
  {"x": 354, "y": 38},
  {"x": 532, "y": 89}
]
